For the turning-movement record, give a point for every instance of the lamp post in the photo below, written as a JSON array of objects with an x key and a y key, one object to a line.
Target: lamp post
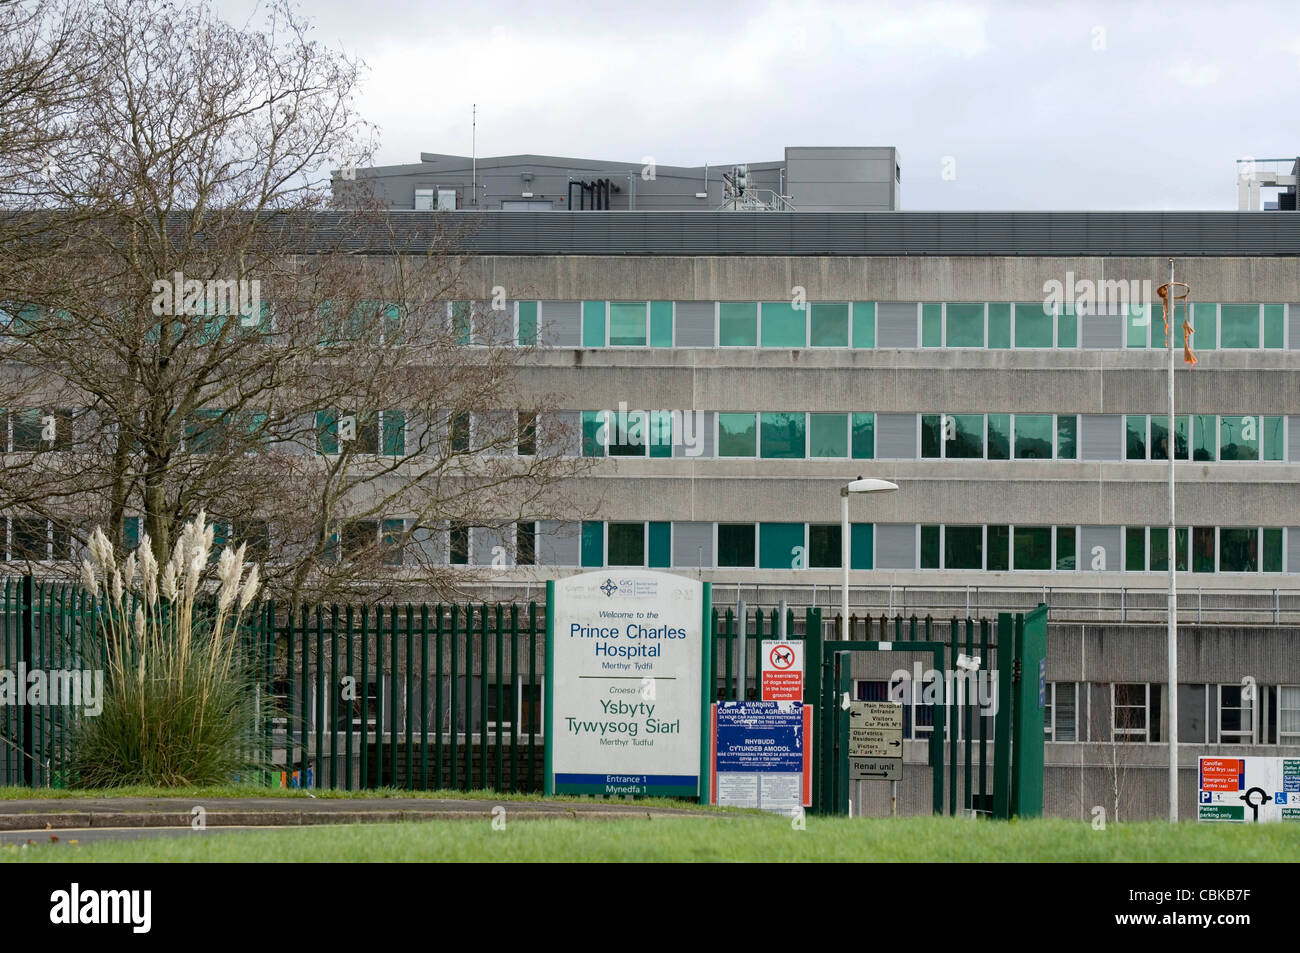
[{"x": 857, "y": 486}]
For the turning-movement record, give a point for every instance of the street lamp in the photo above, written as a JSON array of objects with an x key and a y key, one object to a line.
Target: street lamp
[{"x": 857, "y": 486}]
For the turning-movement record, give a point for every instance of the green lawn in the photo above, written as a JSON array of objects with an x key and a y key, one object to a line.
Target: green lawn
[{"x": 706, "y": 838}]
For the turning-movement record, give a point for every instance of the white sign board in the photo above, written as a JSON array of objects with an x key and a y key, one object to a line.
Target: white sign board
[
  {"x": 624, "y": 683},
  {"x": 1248, "y": 790}
]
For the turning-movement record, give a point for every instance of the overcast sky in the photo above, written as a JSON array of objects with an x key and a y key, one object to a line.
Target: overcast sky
[{"x": 1027, "y": 104}]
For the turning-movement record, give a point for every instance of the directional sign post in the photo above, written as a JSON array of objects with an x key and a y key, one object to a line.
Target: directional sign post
[
  {"x": 875, "y": 750},
  {"x": 1248, "y": 790}
]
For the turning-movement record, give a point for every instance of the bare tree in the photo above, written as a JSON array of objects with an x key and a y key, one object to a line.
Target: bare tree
[{"x": 197, "y": 327}]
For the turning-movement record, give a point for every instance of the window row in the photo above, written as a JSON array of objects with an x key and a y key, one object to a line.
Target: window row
[
  {"x": 1205, "y": 437},
  {"x": 995, "y": 325}
]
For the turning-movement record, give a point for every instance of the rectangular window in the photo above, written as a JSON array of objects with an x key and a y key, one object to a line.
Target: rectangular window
[
  {"x": 1239, "y": 438},
  {"x": 864, "y": 324},
  {"x": 824, "y": 546},
  {"x": 661, "y": 324},
  {"x": 526, "y": 543},
  {"x": 1272, "y": 549},
  {"x": 829, "y": 325},
  {"x": 930, "y": 547},
  {"x": 965, "y": 325},
  {"x": 999, "y": 546},
  {"x": 966, "y": 436},
  {"x": 999, "y": 436},
  {"x": 327, "y": 431},
  {"x": 738, "y": 324},
  {"x": 781, "y": 546},
  {"x": 626, "y": 544},
  {"x": 1033, "y": 547},
  {"x": 1160, "y": 437},
  {"x": 1239, "y": 325},
  {"x": 783, "y": 436},
  {"x": 1288, "y": 714},
  {"x": 932, "y": 436},
  {"x": 999, "y": 325},
  {"x": 864, "y": 436},
  {"x": 1066, "y": 549},
  {"x": 1274, "y": 438},
  {"x": 1067, "y": 329},
  {"x": 736, "y": 545},
  {"x": 1135, "y": 429},
  {"x": 527, "y": 431},
  {"x": 784, "y": 324},
  {"x": 461, "y": 322},
  {"x": 737, "y": 435},
  {"x": 1137, "y": 324},
  {"x": 593, "y": 544},
  {"x": 393, "y": 423},
  {"x": 527, "y": 323},
  {"x": 1067, "y": 436},
  {"x": 595, "y": 435},
  {"x": 1236, "y": 715},
  {"x": 660, "y": 545},
  {"x": 1204, "y": 437},
  {"x": 1160, "y": 549},
  {"x": 1274, "y": 322},
  {"x": 630, "y": 434},
  {"x": 205, "y": 432},
  {"x": 359, "y": 537},
  {"x": 460, "y": 432},
  {"x": 1033, "y": 323},
  {"x": 1033, "y": 436},
  {"x": 1135, "y": 549},
  {"x": 661, "y": 433},
  {"x": 1205, "y": 322},
  {"x": 931, "y": 325},
  {"x": 593, "y": 324},
  {"x": 627, "y": 324},
  {"x": 861, "y": 545},
  {"x": 1203, "y": 555},
  {"x": 963, "y": 547},
  {"x": 1064, "y": 697},
  {"x": 30, "y": 540},
  {"x": 1129, "y": 709},
  {"x": 1238, "y": 549},
  {"x": 393, "y": 533},
  {"x": 828, "y": 435}
]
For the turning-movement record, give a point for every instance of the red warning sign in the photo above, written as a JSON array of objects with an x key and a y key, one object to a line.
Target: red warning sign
[
  {"x": 1222, "y": 774},
  {"x": 782, "y": 671}
]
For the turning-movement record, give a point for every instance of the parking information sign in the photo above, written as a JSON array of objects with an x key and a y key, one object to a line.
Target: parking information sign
[
  {"x": 875, "y": 741},
  {"x": 759, "y": 755},
  {"x": 782, "y": 671},
  {"x": 1248, "y": 790},
  {"x": 624, "y": 684}
]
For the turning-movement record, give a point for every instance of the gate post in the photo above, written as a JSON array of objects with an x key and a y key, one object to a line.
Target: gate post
[
  {"x": 1006, "y": 655},
  {"x": 25, "y": 657}
]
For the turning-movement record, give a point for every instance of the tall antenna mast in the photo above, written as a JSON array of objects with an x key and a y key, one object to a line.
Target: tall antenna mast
[{"x": 473, "y": 124}]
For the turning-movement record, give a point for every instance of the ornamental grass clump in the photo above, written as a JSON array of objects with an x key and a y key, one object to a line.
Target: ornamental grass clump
[{"x": 180, "y": 700}]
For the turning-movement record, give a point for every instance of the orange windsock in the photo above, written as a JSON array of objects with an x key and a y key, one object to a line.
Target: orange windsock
[{"x": 1188, "y": 356}]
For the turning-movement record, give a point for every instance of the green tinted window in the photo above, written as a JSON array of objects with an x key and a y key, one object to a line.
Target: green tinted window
[
  {"x": 1066, "y": 552},
  {"x": 1033, "y": 436},
  {"x": 828, "y": 435},
  {"x": 327, "y": 431},
  {"x": 1137, "y": 325},
  {"x": 661, "y": 433},
  {"x": 661, "y": 535},
  {"x": 738, "y": 324},
  {"x": 1033, "y": 547},
  {"x": 629, "y": 434},
  {"x": 784, "y": 325},
  {"x": 932, "y": 325},
  {"x": 594, "y": 433},
  {"x": 931, "y": 435},
  {"x": 1238, "y": 438},
  {"x": 627, "y": 323},
  {"x": 930, "y": 547},
  {"x": 864, "y": 436},
  {"x": 1240, "y": 325},
  {"x": 527, "y": 322},
  {"x": 999, "y": 538},
  {"x": 861, "y": 540},
  {"x": 1205, "y": 444},
  {"x": 783, "y": 436},
  {"x": 999, "y": 325},
  {"x": 824, "y": 546},
  {"x": 460, "y": 321},
  {"x": 1274, "y": 438},
  {"x": 999, "y": 436},
  {"x": 1238, "y": 549},
  {"x": 1160, "y": 549},
  {"x": 1272, "y": 550},
  {"x": 737, "y": 435},
  {"x": 1067, "y": 328},
  {"x": 1135, "y": 430},
  {"x": 965, "y": 325},
  {"x": 593, "y": 544},
  {"x": 394, "y": 439},
  {"x": 1135, "y": 549},
  {"x": 1160, "y": 437},
  {"x": 1203, "y": 549},
  {"x": 864, "y": 324},
  {"x": 1273, "y": 324},
  {"x": 736, "y": 544},
  {"x": 966, "y": 436},
  {"x": 593, "y": 324},
  {"x": 963, "y": 547},
  {"x": 1033, "y": 325},
  {"x": 1067, "y": 436},
  {"x": 830, "y": 325},
  {"x": 781, "y": 546},
  {"x": 626, "y": 544},
  {"x": 661, "y": 324},
  {"x": 1205, "y": 322}
]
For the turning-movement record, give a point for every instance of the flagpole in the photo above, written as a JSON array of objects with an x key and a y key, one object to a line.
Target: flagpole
[{"x": 1171, "y": 314}]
